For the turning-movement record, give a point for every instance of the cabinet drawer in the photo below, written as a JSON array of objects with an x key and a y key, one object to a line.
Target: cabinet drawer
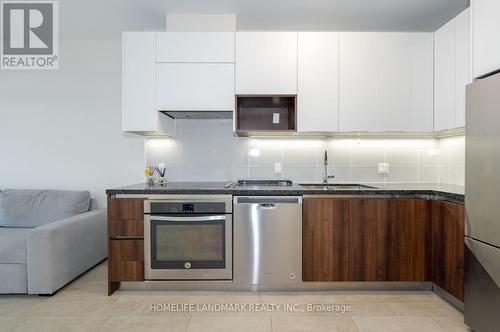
[
  {"x": 134, "y": 227},
  {"x": 125, "y": 208},
  {"x": 126, "y": 271},
  {"x": 126, "y": 250}
]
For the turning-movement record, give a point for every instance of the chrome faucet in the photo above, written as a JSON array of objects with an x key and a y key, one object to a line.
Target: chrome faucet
[{"x": 325, "y": 169}]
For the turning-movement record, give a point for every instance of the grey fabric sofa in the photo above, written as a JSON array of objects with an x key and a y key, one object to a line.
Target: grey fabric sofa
[{"x": 48, "y": 238}]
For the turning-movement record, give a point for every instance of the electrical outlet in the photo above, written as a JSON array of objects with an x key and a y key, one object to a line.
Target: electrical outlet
[
  {"x": 383, "y": 168},
  {"x": 277, "y": 168},
  {"x": 276, "y": 118}
]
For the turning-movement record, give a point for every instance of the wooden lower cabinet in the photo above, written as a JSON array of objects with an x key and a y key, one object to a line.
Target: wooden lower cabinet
[
  {"x": 389, "y": 240},
  {"x": 125, "y": 208},
  {"x": 384, "y": 239},
  {"x": 126, "y": 262},
  {"x": 412, "y": 220},
  {"x": 126, "y": 250},
  {"x": 325, "y": 247},
  {"x": 448, "y": 247},
  {"x": 126, "y": 271},
  {"x": 134, "y": 227},
  {"x": 125, "y": 241},
  {"x": 372, "y": 241}
]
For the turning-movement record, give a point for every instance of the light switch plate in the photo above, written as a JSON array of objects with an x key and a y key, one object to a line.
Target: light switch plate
[
  {"x": 277, "y": 168},
  {"x": 383, "y": 168},
  {"x": 276, "y": 118}
]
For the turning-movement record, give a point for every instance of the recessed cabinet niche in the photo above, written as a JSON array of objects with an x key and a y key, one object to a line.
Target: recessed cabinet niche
[{"x": 270, "y": 114}]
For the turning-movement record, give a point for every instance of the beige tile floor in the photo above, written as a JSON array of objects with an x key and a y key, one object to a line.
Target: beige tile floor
[{"x": 84, "y": 306}]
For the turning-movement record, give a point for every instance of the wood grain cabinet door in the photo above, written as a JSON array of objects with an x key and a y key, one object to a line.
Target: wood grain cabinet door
[
  {"x": 324, "y": 232},
  {"x": 412, "y": 220},
  {"x": 125, "y": 208},
  {"x": 125, "y": 217},
  {"x": 448, "y": 247},
  {"x": 126, "y": 260},
  {"x": 389, "y": 240},
  {"x": 125, "y": 241},
  {"x": 371, "y": 241}
]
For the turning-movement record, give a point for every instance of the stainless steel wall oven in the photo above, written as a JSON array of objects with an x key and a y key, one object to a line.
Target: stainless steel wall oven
[{"x": 188, "y": 238}]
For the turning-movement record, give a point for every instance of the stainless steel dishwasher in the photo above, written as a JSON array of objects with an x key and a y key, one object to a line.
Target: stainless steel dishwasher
[{"x": 267, "y": 241}]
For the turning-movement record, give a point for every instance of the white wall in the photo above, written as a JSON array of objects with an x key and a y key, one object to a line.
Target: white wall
[
  {"x": 207, "y": 150},
  {"x": 194, "y": 22},
  {"x": 62, "y": 129}
]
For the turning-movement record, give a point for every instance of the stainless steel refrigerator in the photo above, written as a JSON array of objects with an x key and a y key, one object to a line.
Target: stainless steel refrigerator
[{"x": 482, "y": 205}]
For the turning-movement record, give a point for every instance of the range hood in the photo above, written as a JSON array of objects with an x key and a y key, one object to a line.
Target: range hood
[{"x": 196, "y": 115}]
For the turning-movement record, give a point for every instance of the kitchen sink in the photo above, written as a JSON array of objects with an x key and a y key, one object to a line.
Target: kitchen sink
[{"x": 338, "y": 186}]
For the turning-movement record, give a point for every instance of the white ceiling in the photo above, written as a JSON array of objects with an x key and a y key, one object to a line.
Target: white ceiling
[{"x": 89, "y": 19}]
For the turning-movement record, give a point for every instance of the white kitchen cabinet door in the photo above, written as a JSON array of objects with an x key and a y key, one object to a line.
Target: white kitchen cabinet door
[
  {"x": 138, "y": 79},
  {"x": 318, "y": 81},
  {"x": 486, "y": 36},
  {"x": 463, "y": 64},
  {"x": 422, "y": 82},
  {"x": 139, "y": 113},
  {"x": 452, "y": 72},
  {"x": 359, "y": 81},
  {"x": 395, "y": 82},
  {"x": 195, "y": 86},
  {"x": 195, "y": 47},
  {"x": 445, "y": 72},
  {"x": 266, "y": 63}
]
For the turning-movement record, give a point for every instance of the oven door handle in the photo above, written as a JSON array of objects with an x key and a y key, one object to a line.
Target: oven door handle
[{"x": 171, "y": 218}]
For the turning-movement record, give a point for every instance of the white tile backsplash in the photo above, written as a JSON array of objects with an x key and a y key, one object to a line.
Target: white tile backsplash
[
  {"x": 300, "y": 157},
  {"x": 207, "y": 150},
  {"x": 400, "y": 157},
  {"x": 300, "y": 174},
  {"x": 428, "y": 175},
  {"x": 367, "y": 157}
]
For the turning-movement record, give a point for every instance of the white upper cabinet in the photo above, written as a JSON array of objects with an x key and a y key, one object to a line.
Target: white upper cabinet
[
  {"x": 406, "y": 82},
  {"x": 359, "y": 81},
  {"x": 486, "y": 41},
  {"x": 386, "y": 82},
  {"x": 195, "y": 71},
  {"x": 195, "y": 47},
  {"x": 318, "y": 81},
  {"x": 395, "y": 82},
  {"x": 347, "y": 81},
  {"x": 444, "y": 96},
  {"x": 266, "y": 63},
  {"x": 422, "y": 82},
  {"x": 195, "y": 86},
  {"x": 452, "y": 72},
  {"x": 463, "y": 63},
  {"x": 139, "y": 113}
]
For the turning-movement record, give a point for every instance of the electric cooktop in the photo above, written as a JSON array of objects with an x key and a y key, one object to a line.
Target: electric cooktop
[{"x": 263, "y": 184}]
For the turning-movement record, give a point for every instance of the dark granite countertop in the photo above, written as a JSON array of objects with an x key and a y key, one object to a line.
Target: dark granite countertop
[{"x": 438, "y": 191}]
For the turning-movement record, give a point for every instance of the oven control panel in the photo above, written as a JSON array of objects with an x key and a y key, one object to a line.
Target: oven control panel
[{"x": 187, "y": 207}]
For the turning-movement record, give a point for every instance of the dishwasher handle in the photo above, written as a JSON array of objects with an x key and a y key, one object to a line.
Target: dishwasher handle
[
  {"x": 268, "y": 206},
  {"x": 267, "y": 201}
]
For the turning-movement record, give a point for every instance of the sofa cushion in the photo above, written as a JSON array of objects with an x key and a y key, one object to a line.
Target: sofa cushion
[
  {"x": 32, "y": 208},
  {"x": 14, "y": 279},
  {"x": 13, "y": 244}
]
